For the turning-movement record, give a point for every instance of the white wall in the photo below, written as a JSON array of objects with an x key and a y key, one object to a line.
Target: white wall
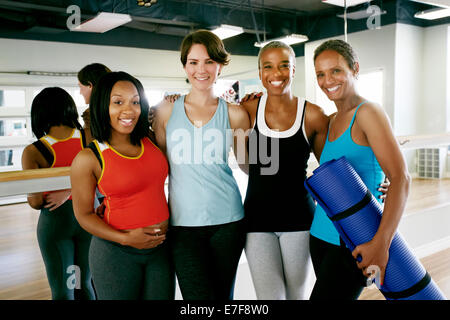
[
  {"x": 435, "y": 108},
  {"x": 299, "y": 85},
  {"x": 408, "y": 79},
  {"x": 156, "y": 68},
  {"x": 448, "y": 80}
]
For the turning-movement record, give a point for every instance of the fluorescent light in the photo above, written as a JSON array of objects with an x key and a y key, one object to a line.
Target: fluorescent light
[
  {"x": 102, "y": 22},
  {"x": 433, "y": 14},
  {"x": 290, "y": 39},
  {"x": 226, "y": 31},
  {"x": 361, "y": 14},
  {"x": 437, "y": 3},
  {"x": 52, "y": 74},
  {"x": 341, "y": 3}
]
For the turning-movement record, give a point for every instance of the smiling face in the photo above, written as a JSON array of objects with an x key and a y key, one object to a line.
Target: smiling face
[
  {"x": 124, "y": 107},
  {"x": 334, "y": 75},
  {"x": 277, "y": 68},
  {"x": 200, "y": 69}
]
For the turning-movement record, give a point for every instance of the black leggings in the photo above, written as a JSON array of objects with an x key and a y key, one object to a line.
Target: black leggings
[
  {"x": 206, "y": 259},
  {"x": 338, "y": 277},
  {"x": 64, "y": 246}
]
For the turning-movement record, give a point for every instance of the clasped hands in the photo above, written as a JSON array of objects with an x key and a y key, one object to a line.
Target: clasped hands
[{"x": 141, "y": 238}]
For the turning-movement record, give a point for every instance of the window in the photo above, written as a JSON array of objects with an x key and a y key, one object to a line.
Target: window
[
  {"x": 12, "y": 98},
  {"x": 15, "y": 132},
  {"x": 11, "y": 158},
  {"x": 370, "y": 86},
  {"x": 154, "y": 96},
  {"x": 13, "y": 127}
]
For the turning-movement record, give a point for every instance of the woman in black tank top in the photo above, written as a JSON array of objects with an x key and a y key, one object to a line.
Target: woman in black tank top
[
  {"x": 278, "y": 208},
  {"x": 277, "y": 169}
]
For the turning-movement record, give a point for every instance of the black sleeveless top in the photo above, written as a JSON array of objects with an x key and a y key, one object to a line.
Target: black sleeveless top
[{"x": 276, "y": 199}]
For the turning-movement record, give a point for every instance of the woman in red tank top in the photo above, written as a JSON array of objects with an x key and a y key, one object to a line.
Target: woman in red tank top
[
  {"x": 63, "y": 243},
  {"x": 129, "y": 256}
]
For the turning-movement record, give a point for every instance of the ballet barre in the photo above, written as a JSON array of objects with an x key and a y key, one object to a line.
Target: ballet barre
[
  {"x": 35, "y": 180},
  {"x": 424, "y": 141}
]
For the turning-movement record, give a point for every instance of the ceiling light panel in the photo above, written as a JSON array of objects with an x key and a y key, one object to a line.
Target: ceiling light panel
[
  {"x": 433, "y": 14},
  {"x": 342, "y": 3},
  {"x": 437, "y": 3},
  {"x": 102, "y": 22},
  {"x": 290, "y": 39},
  {"x": 225, "y": 31},
  {"x": 361, "y": 14}
]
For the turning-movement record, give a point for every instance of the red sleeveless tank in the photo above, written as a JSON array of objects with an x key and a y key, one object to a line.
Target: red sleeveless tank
[
  {"x": 133, "y": 186},
  {"x": 63, "y": 150}
]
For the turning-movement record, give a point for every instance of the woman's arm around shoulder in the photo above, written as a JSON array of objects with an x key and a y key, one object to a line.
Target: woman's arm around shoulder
[
  {"x": 240, "y": 124},
  {"x": 162, "y": 115},
  {"x": 251, "y": 105},
  {"x": 316, "y": 128},
  {"x": 238, "y": 117}
]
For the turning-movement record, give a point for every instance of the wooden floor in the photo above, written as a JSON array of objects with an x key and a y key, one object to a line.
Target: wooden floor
[
  {"x": 22, "y": 273},
  {"x": 425, "y": 194}
]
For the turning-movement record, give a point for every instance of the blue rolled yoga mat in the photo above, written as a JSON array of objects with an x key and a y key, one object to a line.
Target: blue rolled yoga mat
[{"x": 356, "y": 214}]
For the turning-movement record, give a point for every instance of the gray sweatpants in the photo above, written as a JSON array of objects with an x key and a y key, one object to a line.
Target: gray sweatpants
[
  {"x": 125, "y": 273},
  {"x": 280, "y": 265}
]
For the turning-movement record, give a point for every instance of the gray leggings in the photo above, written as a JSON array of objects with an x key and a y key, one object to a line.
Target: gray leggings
[
  {"x": 280, "y": 265},
  {"x": 64, "y": 244},
  {"x": 125, "y": 273}
]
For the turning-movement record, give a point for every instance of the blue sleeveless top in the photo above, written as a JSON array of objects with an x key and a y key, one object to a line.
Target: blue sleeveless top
[
  {"x": 366, "y": 165},
  {"x": 202, "y": 189}
]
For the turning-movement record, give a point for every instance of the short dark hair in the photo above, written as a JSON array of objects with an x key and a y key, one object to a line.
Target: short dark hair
[
  {"x": 91, "y": 73},
  {"x": 53, "y": 106},
  {"x": 275, "y": 45},
  {"x": 214, "y": 46},
  {"x": 341, "y": 47},
  {"x": 99, "y": 105}
]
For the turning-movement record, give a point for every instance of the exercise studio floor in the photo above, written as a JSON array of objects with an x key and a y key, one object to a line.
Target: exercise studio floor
[{"x": 22, "y": 273}]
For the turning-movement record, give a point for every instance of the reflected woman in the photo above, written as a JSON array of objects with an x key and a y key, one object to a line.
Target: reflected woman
[{"x": 63, "y": 243}]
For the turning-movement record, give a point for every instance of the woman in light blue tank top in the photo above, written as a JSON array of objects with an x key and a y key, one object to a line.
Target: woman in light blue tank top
[
  {"x": 360, "y": 131},
  {"x": 197, "y": 132}
]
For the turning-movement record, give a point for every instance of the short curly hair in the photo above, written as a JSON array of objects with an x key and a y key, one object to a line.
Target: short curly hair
[{"x": 275, "y": 45}]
